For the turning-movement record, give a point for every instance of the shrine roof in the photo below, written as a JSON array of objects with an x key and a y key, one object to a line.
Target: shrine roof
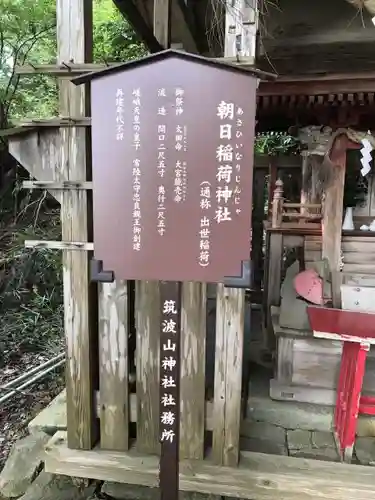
[{"x": 171, "y": 53}]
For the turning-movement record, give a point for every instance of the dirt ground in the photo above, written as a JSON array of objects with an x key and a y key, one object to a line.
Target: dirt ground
[{"x": 17, "y": 412}]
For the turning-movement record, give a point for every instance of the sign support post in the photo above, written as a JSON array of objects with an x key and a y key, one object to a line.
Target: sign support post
[{"x": 170, "y": 341}]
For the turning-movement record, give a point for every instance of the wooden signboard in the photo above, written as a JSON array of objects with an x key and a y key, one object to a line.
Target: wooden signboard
[{"x": 172, "y": 151}]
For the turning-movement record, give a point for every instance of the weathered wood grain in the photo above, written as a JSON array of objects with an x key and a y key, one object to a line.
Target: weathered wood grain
[
  {"x": 133, "y": 409},
  {"x": 284, "y": 368},
  {"x": 162, "y": 17},
  {"x": 147, "y": 319},
  {"x": 40, "y": 154},
  {"x": 358, "y": 253},
  {"x": 258, "y": 477},
  {"x": 308, "y": 368},
  {"x": 333, "y": 211},
  {"x": 57, "y": 185},
  {"x": 74, "y": 41},
  {"x": 193, "y": 360},
  {"x": 59, "y": 245},
  {"x": 228, "y": 374},
  {"x": 114, "y": 369},
  {"x": 273, "y": 283}
]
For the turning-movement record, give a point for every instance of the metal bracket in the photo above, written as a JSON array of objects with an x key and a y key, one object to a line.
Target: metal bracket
[
  {"x": 97, "y": 274},
  {"x": 243, "y": 281}
]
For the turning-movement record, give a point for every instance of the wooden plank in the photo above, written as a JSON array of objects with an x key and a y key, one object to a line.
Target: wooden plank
[
  {"x": 193, "y": 361},
  {"x": 280, "y": 391},
  {"x": 65, "y": 69},
  {"x": 258, "y": 477},
  {"x": 39, "y": 152},
  {"x": 162, "y": 21},
  {"x": 71, "y": 121},
  {"x": 57, "y": 185},
  {"x": 230, "y": 313},
  {"x": 359, "y": 268},
  {"x": 59, "y": 245},
  {"x": 359, "y": 258},
  {"x": 313, "y": 255},
  {"x": 147, "y": 321},
  {"x": 133, "y": 409},
  {"x": 316, "y": 364},
  {"x": 14, "y": 131},
  {"x": 354, "y": 244},
  {"x": 114, "y": 369},
  {"x": 74, "y": 42},
  {"x": 284, "y": 367}
]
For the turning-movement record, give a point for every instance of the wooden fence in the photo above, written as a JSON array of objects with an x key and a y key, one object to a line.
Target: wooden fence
[
  {"x": 119, "y": 400},
  {"x": 267, "y": 170}
]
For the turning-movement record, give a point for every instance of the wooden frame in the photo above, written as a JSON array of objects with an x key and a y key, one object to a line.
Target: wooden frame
[{"x": 258, "y": 476}]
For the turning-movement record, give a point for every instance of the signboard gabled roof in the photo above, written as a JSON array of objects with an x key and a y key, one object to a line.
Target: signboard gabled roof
[{"x": 169, "y": 53}]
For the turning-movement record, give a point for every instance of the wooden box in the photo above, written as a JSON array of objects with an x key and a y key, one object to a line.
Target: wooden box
[{"x": 307, "y": 368}]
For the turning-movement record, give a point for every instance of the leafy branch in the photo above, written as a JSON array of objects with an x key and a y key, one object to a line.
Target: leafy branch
[{"x": 274, "y": 143}]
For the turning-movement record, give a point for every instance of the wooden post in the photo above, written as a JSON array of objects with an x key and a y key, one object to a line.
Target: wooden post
[
  {"x": 277, "y": 204},
  {"x": 230, "y": 310},
  {"x": 114, "y": 366},
  {"x": 74, "y": 41},
  {"x": 306, "y": 179},
  {"x": 170, "y": 341},
  {"x": 272, "y": 173},
  {"x": 241, "y": 21},
  {"x": 332, "y": 214},
  {"x": 193, "y": 367}
]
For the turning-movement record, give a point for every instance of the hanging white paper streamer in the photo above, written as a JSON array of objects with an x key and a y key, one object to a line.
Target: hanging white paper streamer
[{"x": 366, "y": 156}]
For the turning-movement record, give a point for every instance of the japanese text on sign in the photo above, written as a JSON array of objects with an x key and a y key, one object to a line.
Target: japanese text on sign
[
  {"x": 161, "y": 160},
  {"x": 179, "y": 93},
  {"x": 180, "y": 173},
  {"x": 228, "y": 184},
  {"x": 169, "y": 373},
  {"x": 120, "y": 115},
  {"x": 136, "y": 95},
  {"x": 204, "y": 230}
]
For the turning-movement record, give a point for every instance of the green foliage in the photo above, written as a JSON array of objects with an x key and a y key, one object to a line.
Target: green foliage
[
  {"x": 114, "y": 40},
  {"x": 274, "y": 143},
  {"x": 31, "y": 296},
  {"x": 28, "y": 36},
  {"x": 27, "y": 32},
  {"x": 31, "y": 299}
]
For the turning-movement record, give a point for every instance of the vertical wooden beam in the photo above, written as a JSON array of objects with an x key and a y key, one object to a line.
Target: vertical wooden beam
[
  {"x": 147, "y": 306},
  {"x": 230, "y": 313},
  {"x": 241, "y": 24},
  {"x": 114, "y": 366},
  {"x": 274, "y": 254},
  {"x": 162, "y": 22},
  {"x": 193, "y": 361},
  {"x": 74, "y": 42},
  {"x": 230, "y": 316},
  {"x": 272, "y": 178},
  {"x": 147, "y": 320},
  {"x": 332, "y": 213}
]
